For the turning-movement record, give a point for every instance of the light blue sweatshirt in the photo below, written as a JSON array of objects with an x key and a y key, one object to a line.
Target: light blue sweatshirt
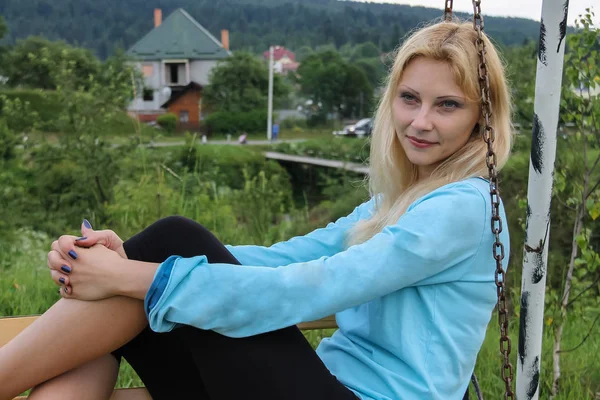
[{"x": 412, "y": 303}]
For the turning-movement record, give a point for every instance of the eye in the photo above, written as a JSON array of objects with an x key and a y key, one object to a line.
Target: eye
[
  {"x": 450, "y": 104},
  {"x": 408, "y": 98}
]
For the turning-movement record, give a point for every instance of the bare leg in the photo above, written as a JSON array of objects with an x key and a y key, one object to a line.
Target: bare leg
[
  {"x": 92, "y": 381},
  {"x": 70, "y": 334}
]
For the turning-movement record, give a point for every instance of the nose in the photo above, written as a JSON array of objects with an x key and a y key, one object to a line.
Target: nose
[{"x": 422, "y": 121}]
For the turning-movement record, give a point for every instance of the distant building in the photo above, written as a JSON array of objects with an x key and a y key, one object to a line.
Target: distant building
[
  {"x": 284, "y": 60},
  {"x": 175, "y": 59}
]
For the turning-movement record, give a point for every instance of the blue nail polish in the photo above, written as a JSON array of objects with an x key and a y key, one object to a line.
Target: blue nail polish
[
  {"x": 62, "y": 280},
  {"x": 66, "y": 290},
  {"x": 81, "y": 238},
  {"x": 66, "y": 269},
  {"x": 87, "y": 224},
  {"x": 72, "y": 254}
]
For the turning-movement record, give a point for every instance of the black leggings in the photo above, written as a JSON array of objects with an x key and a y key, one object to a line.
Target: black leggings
[{"x": 190, "y": 363}]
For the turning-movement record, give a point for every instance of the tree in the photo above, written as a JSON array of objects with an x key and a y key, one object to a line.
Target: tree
[
  {"x": 303, "y": 52},
  {"x": 576, "y": 187},
  {"x": 100, "y": 25},
  {"x": 33, "y": 62},
  {"x": 357, "y": 93},
  {"x": 397, "y": 35},
  {"x": 366, "y": 50},
  {"x": 374, "y": 69},
  {"x": 335, "y": 84},
  {"x": 3, "y": 28},
  {"x": 521, "y": 69},
  {"x": 240, "y": 83}
]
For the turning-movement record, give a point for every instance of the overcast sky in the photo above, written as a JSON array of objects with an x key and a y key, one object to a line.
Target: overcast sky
[{"x": 531, "y": 9}]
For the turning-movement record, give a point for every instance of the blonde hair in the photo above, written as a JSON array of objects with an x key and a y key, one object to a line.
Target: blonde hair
[{"x": 392, "y": 177}]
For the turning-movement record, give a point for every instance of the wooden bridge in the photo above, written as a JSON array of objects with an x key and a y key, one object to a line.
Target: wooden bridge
[{"x": 349, "y": 166}]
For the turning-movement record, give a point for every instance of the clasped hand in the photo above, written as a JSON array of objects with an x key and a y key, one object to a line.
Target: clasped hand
[{"x": 87, "y": 268}]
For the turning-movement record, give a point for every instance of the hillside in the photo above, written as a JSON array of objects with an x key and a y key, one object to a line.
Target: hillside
[{"x": 106, "y": 25}]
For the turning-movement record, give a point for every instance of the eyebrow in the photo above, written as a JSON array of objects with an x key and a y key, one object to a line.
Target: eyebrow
[{"x": 437, "y": 98}]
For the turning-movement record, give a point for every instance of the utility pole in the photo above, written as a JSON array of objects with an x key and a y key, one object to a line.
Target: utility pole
[
  {"x": 270, "y": 106},
  {"x": 550, "y": 61}
]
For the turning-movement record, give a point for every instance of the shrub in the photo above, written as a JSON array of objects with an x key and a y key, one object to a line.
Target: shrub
[
  {"x": 45, "y": 103},
  {"x": 168, "y": 122},
  {"x": 223, "y": 122},
  {"x": 293, "y": 122},
  {"x": 317, "y": 120}
]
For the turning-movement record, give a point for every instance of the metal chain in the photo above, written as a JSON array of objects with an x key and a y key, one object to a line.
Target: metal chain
[
  {"x": 448, "y": 10},
  {"x": 489, "y": 136}
]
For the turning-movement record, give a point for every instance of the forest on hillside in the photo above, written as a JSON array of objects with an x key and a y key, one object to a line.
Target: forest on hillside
[{"x": 105, "y": 26}]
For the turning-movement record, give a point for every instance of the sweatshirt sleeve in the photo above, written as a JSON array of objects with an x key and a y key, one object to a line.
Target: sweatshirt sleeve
[
  {"x": 433, "y": 242},
  {"x": 318, "y": 243}
]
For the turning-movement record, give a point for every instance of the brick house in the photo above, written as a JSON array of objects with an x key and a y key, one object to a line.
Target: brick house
[{"x": 175, "y": 59}]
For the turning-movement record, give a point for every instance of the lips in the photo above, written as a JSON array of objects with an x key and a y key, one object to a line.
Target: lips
[{"x": 414, "y": 139}]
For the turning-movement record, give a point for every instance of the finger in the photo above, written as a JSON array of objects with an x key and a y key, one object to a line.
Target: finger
[
  {"x": 59, "y": 279},
  {"x": 66, "y": 292},
  {"x": 57, "y": 262},
  {"x": 87, "y": 237},
  {"x": 86, "y": 226},
  {"x": 90, "y": 238},
  {"x": 66, "y": 243},
  {"x": 56, "y": 248}
]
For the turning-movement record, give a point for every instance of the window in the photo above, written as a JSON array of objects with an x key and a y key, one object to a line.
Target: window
[
  {"x": 147, "y": 70},
  {"x": 148, "y": 94},
  {"x": 174, "y": 74},
  {"x": 184, "y": 116}
]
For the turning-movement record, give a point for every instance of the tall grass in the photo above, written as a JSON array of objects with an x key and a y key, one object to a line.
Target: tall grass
[{"x": 26, "y": 288}]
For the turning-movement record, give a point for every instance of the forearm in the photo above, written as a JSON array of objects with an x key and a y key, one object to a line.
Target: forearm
[{"x": 135, "y": 278}]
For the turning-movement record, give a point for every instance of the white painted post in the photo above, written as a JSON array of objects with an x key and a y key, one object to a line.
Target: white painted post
[
  {"x": 539, "y": 195},
  {"x": 270, "y": 111}
]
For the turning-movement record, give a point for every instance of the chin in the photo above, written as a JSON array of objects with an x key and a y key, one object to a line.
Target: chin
[{"x": 420, "y": 159}]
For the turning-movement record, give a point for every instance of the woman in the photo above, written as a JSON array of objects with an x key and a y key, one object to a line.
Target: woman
[{"x": 409, "y": 273}]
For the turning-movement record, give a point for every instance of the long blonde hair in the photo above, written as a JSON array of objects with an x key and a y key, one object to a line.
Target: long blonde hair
[{"x": 392, "y": 177}]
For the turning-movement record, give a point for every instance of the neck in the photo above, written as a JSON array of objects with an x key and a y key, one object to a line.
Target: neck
[{"x": 424, "y": 172}]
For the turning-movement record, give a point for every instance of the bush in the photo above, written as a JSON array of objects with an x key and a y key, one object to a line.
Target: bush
[
  {"x": 45, "y": 103},
  {"x": 168, "y": 122},
  {"x": 223, "y": 122},
  {"x": 293, "y": 122},
  {"x": 317, "y": 120}
]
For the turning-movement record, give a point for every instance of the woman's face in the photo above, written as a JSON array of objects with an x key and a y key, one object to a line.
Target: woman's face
[{"x": 432, "y": 116}]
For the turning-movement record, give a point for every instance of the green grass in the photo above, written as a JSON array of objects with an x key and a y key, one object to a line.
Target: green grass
[{"x": 26, "y": 288}]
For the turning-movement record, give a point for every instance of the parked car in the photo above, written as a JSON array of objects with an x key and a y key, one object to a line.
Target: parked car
[{"x": 362, "y": 128}]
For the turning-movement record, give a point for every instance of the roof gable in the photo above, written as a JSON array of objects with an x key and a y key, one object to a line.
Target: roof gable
[
  {"x": 279, "y": 52},
  {"x": 179, "y": 36}
]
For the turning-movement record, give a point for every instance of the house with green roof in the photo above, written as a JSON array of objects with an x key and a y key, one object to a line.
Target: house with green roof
[{"x": 175, "y": 59}]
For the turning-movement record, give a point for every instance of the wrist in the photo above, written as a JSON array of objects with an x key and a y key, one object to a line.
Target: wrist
[
  {"x": 135, "y": 278},
  {"x": 121, "y": 252}
]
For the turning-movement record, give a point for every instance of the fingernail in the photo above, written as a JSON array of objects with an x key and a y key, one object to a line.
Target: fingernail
[
  {"x": 81, "y": 238},
  {"x": 66, "y": 290},
  {"x": 73, "y": 254},
  {"x": 66, "y": 269},
  {"x": 62, "y": 280},
  {"x": 87, "y": 224}
]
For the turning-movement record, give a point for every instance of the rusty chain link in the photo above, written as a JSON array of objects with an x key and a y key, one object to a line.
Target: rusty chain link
[
  {"x": 448, "y": 10},
  {"x": 489, "y": 136}
]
